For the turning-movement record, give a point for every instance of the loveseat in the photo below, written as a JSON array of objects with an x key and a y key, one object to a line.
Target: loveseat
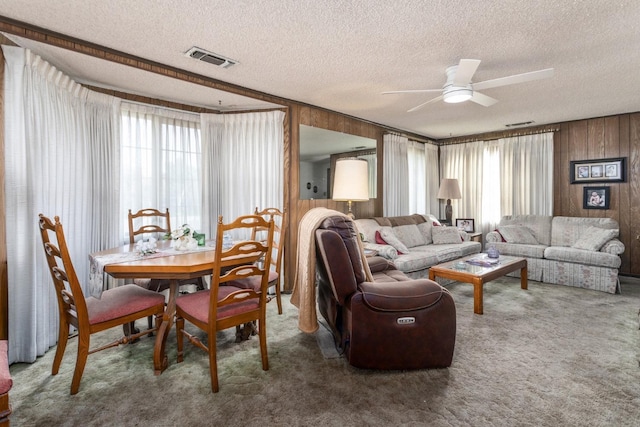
[
  {"x": 572, "y": 251},
  {"x": 415, "y": 242}
]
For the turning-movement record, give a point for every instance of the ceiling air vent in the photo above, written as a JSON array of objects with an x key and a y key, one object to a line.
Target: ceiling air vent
[{"x": 211, "y": 58}]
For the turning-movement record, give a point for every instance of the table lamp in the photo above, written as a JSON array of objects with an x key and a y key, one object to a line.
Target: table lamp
[
  {"x": 351, "y": 181},
  {"x": 449, "y": 189}
]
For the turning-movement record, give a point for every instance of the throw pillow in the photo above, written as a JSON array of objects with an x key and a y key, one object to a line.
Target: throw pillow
[
  {"x": 445, "y": 235},
  {"x": 517, "y": 234},
  {"x": 388, "y": 235},
  {"x": 410, "y": 235},
  {"x": 425, "y": 230},
  {"x": 594, "y": 238}
]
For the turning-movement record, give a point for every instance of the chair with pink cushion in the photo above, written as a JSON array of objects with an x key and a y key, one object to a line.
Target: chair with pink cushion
[
  {"x": 234, "y": 297},
  {"x": 116, "y": 307}
]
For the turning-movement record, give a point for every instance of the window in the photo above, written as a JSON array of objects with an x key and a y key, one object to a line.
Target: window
[{"x": 160, "y": 164}]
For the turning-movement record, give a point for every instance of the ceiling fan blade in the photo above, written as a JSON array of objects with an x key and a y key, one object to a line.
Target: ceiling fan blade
[
  {"x": 424, "y": 103},
  {"x": 511, "y": 80},
  {"x": 412, "y": 91},
  {"x": 482, "y": 99},
  {"x": 466, "y": 69}
]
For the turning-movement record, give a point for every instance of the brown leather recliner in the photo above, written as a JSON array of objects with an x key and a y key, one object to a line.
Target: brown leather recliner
[{"x": 391, "y": 323}]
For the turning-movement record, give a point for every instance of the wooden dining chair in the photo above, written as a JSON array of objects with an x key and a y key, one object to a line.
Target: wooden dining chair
[
  {"x": 151, "y": 221},
  {"x": 117, "y": 306},
  {"x": 275, "y": 276},
  {"x": 238, "y": 268}
]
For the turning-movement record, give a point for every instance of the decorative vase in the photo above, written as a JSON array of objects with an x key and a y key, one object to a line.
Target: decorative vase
[{"x": 492, "y": 252}]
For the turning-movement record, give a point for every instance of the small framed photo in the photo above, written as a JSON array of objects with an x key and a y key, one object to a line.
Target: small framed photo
[
  {"x": 596, "y": 197},
  {"x": 600, "y": 170},
  {"x": 466, "y": 224}
]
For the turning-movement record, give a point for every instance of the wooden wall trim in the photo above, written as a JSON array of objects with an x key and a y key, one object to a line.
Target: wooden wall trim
[{"x": 4, "y": 281}]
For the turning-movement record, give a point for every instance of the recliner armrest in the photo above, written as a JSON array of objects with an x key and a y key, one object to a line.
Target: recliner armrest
[
  {"x": 378, "y": 264},
  {"x": 402, "y": 296}
]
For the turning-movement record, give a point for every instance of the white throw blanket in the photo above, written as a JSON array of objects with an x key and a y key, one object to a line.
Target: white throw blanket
[{"x": 304, "y": 286}]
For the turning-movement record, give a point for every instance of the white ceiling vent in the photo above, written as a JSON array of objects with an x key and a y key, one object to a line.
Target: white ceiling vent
[{"x": 210, "y": 57}]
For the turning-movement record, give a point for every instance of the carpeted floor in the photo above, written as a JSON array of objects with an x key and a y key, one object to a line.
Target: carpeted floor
[{"x": 549, "y": 356}]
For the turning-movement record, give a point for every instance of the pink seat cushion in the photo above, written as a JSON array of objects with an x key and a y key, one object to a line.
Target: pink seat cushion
[
  {"x": 5, "y": 376},
  {"x": 253, "y": 282},
  {"x": 197, "y": 304},
  {"x": 121, "y": 301}
]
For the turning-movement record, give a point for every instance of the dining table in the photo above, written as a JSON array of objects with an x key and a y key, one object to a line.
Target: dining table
[{"x": 125, "y": 262}]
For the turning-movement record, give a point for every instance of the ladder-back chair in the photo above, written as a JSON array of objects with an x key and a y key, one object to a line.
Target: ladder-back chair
[
  {"x": 275, "y": 275},
  {"x": 239, "y": 269},
  {"x": 118, "y": 306}
]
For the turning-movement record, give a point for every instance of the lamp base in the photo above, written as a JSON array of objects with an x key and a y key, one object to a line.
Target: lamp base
[
  {"x": 448, "y": 212},
  {"x": 349, "y": 212}
]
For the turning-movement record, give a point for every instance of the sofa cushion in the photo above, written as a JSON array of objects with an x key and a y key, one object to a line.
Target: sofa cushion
[
  {"x": 384, "y": 250},
  {"x": 594, "y": 238},
  {"x": 581, "y": 256},
  {"x": 410, "y": 235},
  {"x": 539, "y": 225},
  {"x": 425, "y": 230},
  {"x": 367, "y": 227},
  {"x": 517, "y": 234},
  {"x": 390, "y": 238},
  {"x": 513, "y": 249},
  {"x": 565, "y": 231},
  {"x": 445, "y": 235}
]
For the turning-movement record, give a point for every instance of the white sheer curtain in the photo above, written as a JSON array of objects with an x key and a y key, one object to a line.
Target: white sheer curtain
[
  {"x": 504, "y": 177},
  {"x": 465, "y": 162},
  {"x": 423, "y": 177},
  {"x": 372, "y": 163},
  {"x": 242, "y": 164},
  {"x": 396, "y": 176},
  {"x": 61, "y": 158},
  {"x": 161, "y": 161},
  {"x": 526, "y": 166}
]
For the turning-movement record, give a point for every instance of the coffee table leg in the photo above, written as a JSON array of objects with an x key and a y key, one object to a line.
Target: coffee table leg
[
  {"x": 477, "y": 297},
  {"x": 160, "y": 359},
  {"x": 523, "y": 278}
]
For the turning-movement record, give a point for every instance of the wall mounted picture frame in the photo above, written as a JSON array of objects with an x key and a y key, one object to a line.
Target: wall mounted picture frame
[
  {"x": 596, "y": 198},
  {"x": 599, "y": 170},
  {"x": 466, "y": 224}
]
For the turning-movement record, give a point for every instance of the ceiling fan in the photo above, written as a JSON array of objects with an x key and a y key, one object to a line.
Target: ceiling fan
[{"x": 459, "y": 87}]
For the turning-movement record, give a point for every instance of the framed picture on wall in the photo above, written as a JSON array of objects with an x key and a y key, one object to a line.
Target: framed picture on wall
[
  {"x": 600, "y": 170},
  {"x": 466, "y": 224},
  {"x": 596, "y": 198}
]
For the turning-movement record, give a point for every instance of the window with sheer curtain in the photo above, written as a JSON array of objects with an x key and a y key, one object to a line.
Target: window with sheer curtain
[
  {"x": 411, "y": 176},
  {"x": 160, "y": 163},
  {"x": 504, "y": 177}
]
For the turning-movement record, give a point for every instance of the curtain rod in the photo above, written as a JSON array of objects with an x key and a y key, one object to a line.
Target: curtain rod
[
  {"x": 506, "y": 134},
  {"x": 424, "y": 140}
]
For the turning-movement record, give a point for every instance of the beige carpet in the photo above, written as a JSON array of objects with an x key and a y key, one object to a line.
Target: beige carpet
[{"x": 549, "y": 356}]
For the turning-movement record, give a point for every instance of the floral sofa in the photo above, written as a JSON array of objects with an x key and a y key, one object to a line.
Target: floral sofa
[
  {"x": 572, "y": 251},
  {"x": 415, "y": 242}
]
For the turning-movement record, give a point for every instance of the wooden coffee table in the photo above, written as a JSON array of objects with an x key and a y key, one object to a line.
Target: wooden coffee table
[{"x": 462, "y": 271}]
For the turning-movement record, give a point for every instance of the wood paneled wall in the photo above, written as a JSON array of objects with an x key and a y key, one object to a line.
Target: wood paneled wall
[
  {"x": 4, "y": 283},
  {"x": 598, "y": 138}
]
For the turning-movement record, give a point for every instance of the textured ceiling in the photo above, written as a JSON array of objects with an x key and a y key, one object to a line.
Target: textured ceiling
[{"x": 341, "y": 55}]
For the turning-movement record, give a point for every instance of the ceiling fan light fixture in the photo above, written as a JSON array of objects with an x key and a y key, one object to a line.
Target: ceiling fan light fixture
[{"x": 454, "y": 95}]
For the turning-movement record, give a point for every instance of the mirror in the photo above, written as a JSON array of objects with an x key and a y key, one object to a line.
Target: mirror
[{"x": 319, "y": 150}]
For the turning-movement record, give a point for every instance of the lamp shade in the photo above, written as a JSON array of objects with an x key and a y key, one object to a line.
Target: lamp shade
[
  {"x": 351, "y": 180},
  {"x": 449, "y": 189}
]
